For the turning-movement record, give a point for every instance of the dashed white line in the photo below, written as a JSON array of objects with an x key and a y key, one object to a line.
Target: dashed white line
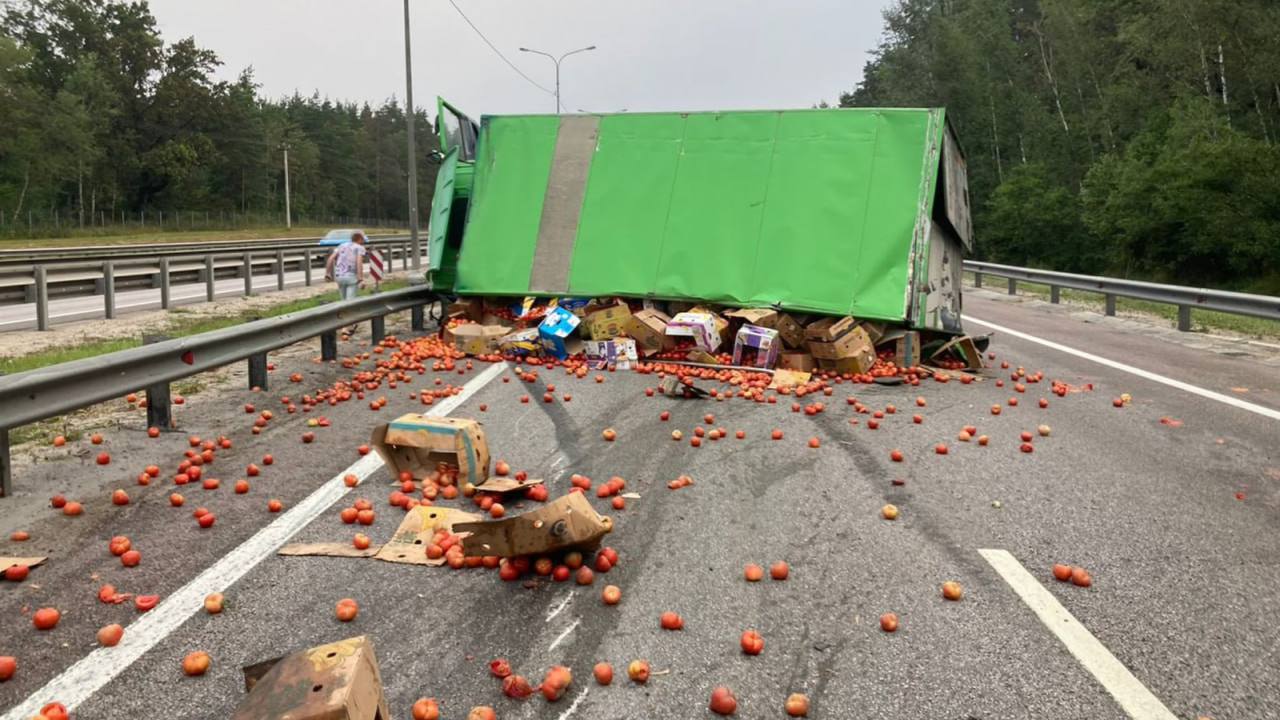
[
  {"x": 78, "y": 682},
  {"x": 563, "y": 604},
  {"x": 1134, "y": 697},
  {"x": 1145, "y": 374},
  {"x": 560, "y": 638}
]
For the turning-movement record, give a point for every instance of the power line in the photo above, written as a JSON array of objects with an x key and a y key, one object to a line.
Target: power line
[{"x": 499, "y": 52}]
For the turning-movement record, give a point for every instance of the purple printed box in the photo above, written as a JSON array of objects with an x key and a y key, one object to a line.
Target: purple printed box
[
  {"x": 758, "y": 345},
  {"x": 699, "y": 326}
]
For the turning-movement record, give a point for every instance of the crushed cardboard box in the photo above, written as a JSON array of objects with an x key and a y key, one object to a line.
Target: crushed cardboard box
[
  {"x": 672, "y": 386},
  {"x": 568, "y": 522},
  {"x": 700, "y": 326},
  {"x": 554, "y": 332},
  {"x": 788, "y": 379},
  {"x": 337, "y": 681},
  {"x": 7, "y": 562},
  {"x": 853, "y": 341},
  {"x": 474, "y": 339},
  {"x": 521, "y": 342},
  {"x": 721, "y": 325},
  {"x": 471, "y": 308},
  {"x": 760, "y": 317},
  {"x": 605, "y": 322},
  {"x": 648, "y": 328},
  {"x": 418, "y": 443},
  {"x": 964, "y": 349},
  {"x": 875, "y": 330},
  {"x": 407, "y": 546},
  {"x": 828, "y": 329},
  {"x": 758, "y": 345}
]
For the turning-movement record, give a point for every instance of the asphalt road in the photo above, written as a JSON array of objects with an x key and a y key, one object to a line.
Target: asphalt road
[
  {"x": 1175, "y": 522},
  {"x": 88, "y": 307}
]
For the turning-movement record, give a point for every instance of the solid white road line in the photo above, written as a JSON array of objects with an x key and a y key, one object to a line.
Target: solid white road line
[
  {"x": 1145, "y": 374},
  {"x": 1134, "y": 697},
  {"x": 576, "y": 702},
  {"x": 78, "y": 682},
  {"x": 560, "y": 608}
]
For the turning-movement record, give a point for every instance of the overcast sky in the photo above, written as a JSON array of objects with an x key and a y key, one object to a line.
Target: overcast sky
[{"x": 651, "y": 54}]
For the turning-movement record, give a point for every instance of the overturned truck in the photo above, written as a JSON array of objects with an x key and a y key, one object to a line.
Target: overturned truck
[{"x": 861, "y": 212}]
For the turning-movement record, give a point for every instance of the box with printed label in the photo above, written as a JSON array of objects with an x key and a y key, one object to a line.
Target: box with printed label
[
  {"x": 697, "y": 325},
  {"x": 605, "y": 322},
  {"x": 756, "y": 347}
]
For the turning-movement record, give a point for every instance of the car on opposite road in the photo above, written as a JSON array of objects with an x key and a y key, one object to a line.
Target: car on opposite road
[{"x": 338, "y": 237}]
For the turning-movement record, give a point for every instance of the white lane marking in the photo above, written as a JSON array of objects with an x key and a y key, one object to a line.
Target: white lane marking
[
  {"x": 1134, "y": 697},
  {"x": 576, "y": 702},
  {"x": 1145, "y": 374},
  {"x": 75, "y": 684},
  {"x": 565, "y": 634},
  {"x": 563, "y": 604}
]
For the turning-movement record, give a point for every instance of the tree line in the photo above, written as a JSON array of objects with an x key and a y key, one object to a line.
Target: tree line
[
  {"x": 99, "y": 116},
  {"x": 1133, "y": 137}
]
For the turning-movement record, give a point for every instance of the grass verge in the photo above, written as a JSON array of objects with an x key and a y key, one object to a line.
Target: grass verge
[
  {"x": 177, "y": 326},
  {"x": 1201, "y": 320}
]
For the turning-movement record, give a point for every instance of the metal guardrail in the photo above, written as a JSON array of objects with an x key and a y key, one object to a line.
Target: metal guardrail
[
  {"x": 155, "y": 263},
  {"x": 1186, "y": 298},
  {"x": 58, "y": 389},
  {"x": 100, "y": 253}
]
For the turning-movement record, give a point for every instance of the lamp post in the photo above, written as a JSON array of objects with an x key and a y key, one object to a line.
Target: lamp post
[
  {"x": 557, "y": 61},
  {"x": 288, "y": 214},
  {"x": 413, "y": 152}
]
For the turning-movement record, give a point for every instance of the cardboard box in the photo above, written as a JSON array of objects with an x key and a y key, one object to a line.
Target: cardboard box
[
  {"x": 605, "y": 322},
  {"x": 855, "y": 364},
  {"x": 577, "y": 306},
  {"x": 619, "y": 353},
  {"x": 905, "y": 344},
  {"x": 798, "y": 361},
  {"x": 474, "y": 339},
  {"x": 521, "y": 342},
  {"x": 697, "y": 325},
  {"x": 469, "y": 308},
  {"x": 760, "y": 317},
  {"x": 722, "y": 325},
  {"x": 417, "y": 443},
  {"x": 829, "y": 329},
  {"x": 875, "y": 330},
  {"x": 791, "y": 330},
  {"x": 850, "y": 343},
  {"x": 758, "y": 345},
  {"x": 964, "y": 349},
  {"x": 789, "y": 379},
  {"x": 338, "y": 681},
  {"x": 569, "y": 522},
  {"x": 554, "y": 331},
  {"x": 408, "y": 544},
  {"x": 649, "y": 329}
]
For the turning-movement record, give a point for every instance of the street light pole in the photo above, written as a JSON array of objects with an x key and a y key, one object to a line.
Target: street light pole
[
  {"x": 557, "y": 61},
  {"x": 288, "y": 214},
  {"x": 413, "y": 152}
]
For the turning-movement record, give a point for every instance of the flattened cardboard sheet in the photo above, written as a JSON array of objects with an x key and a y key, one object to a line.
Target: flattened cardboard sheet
[{"x": 569, "y": 521}]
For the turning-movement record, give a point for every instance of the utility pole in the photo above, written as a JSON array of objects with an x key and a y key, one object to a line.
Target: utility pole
[
  {"x": 557, "y": 61},
  {"x": 413, "y": 151},
  {"x": 288, "y": 214}
]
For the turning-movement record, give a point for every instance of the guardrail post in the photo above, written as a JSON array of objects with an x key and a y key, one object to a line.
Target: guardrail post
[
  {"x": 329, "y": 345},
  {"x": 164, "y": 283},
  {"x": 42, "y": 298},
  {"x": 977, "y": 279},
  {"x": 1111, "y": 305},
  {"x": 279, "y": 269},
  {"x": 404, "y": 254},
  {"x": 1184, "y": 318},
  {"x": 159, "y": 411},
  {"x": 1054, "y": 294},
  {"x": 1013, "y": 286},
  {"x": 377, "y": 329},
  {"x": 109, "y": 289},
  {"x": 248, "y": 274},
  {"x": 306, "y": 266},
  {"x": 258, "y": 371},
  {"x": 6, "y": 465},
  {"x": 418, "y": 318},
  {"x": 208, "y": 278}
]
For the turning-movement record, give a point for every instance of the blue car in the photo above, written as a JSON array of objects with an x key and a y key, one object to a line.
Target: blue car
[{"x": 338, "y": 237}]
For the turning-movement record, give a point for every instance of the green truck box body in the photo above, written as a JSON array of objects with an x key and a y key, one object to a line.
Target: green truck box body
[{"x": 838, "y": 211}]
